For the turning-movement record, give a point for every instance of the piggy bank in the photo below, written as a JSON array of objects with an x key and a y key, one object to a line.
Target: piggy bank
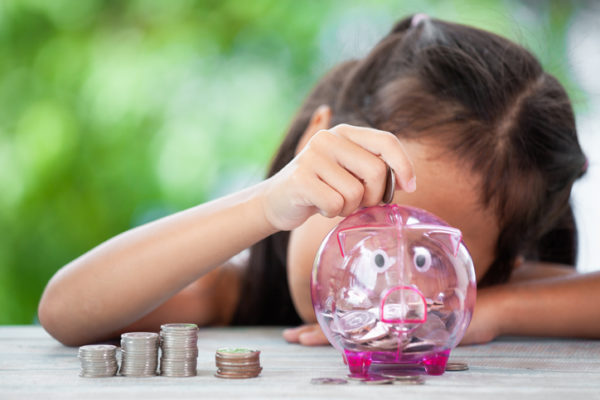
[{"x": 393, "y": 288}]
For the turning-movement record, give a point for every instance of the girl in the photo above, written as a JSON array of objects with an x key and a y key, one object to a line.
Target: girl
[{"x": 475, "y": 132}]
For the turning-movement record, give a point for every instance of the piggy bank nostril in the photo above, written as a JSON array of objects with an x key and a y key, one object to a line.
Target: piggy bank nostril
[{"x": 403, "y": 304}]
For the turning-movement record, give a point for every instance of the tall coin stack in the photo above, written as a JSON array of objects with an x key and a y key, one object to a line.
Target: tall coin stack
[
  {"x": 235, "y": 363},
  {"x": 139, "y": 351},
  {"x": 98, "y": 360},
  {"x": 179, "y": 344}
]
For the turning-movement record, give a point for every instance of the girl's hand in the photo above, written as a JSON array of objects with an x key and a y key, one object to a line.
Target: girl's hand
[
  {"x": 307, "y": 335},
  {"x": 338, "y": 171}
]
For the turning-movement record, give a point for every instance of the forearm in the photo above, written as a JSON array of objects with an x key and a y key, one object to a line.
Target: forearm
[
  {"x": 126, "y": 277},
  {"x": 564, "y": 306}
]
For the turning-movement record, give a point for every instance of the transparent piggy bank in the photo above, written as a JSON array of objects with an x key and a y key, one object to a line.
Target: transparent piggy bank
[{"x": 393, "y": 289}]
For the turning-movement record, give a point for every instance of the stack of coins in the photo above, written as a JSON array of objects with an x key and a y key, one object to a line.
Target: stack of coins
[
  {"x": 98, "y": 360},
  {"x": 235, "y": 363},
  {"x": 179, "y": 344},
  {"x": 139, "y": 352}
]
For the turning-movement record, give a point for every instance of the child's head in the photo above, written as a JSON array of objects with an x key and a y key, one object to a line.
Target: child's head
[
  {"x": 487, "y": 102},
  {"x": 487, "y": 105}
]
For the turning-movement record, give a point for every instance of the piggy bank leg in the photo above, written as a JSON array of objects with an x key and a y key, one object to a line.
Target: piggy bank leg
[
  {"x": 358, "y": 362},
  {"x": 435, "y": 364}
]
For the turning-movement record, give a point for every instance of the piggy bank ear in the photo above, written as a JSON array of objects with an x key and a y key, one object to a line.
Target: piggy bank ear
[
  {"x": 447, "y": 237},
  {"x": 351, "y": 238}
]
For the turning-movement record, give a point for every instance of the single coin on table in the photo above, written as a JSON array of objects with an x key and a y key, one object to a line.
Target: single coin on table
[
  {"x": 328, "y": 381},
  {"x": 377, "y": 380},
  {"x": 457, "y": 366},
  {"x": 356, "y": 377}
]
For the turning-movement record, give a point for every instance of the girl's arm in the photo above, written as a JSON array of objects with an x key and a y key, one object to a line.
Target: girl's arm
[
  {"x": 120, "y": 281},
  {"x": 158, "y": 271},
  {"x": 541, "y": 300}
]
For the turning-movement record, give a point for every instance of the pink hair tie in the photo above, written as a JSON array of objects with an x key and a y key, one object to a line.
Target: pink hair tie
[
  {"x": 418, "y": 18},
  {"x": 585, "y": 165}
]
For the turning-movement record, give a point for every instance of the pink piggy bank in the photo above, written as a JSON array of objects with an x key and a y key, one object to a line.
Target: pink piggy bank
[{"x": 393, "y": 289}]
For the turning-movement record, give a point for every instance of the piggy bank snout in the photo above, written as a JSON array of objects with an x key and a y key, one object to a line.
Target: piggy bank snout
[{"x": 403, "y": 304}]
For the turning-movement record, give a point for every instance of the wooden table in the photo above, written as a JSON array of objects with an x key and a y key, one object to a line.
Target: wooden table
[{"x": 33, "y": 365}]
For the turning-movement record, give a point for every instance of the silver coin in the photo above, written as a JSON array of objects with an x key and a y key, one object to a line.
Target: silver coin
[
  {"x": 418, "y": 346},
  {"x": 457, "y": 366},
  {"x": 355, "y": 322},
  {"x": 377, "y": 380},
  {"x": 328, "y": 381},
  {"x": 386, "y": 343},
  {"x": 335, "y": 327},
  {"x": 413, "y": 380},
  {"x": 404, "y": 376},
  {"x": 178, "y": 327},
  {"x": 390, "y": 186},
  {"x": 434, "y": 305},
  {"x": 98, "y": 348},
  {"x": 356, "y": 377},
  {"x": 379, "y": 331}
]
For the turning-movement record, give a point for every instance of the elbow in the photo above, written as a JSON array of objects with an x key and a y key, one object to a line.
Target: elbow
[{"x": 52, "y": 316}]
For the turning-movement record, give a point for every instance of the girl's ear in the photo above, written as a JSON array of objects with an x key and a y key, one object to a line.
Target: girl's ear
[{"x": 320, "y": 119}]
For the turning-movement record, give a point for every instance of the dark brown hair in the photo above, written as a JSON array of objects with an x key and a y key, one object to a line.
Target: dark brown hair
[{"x": 489, "y": 102}]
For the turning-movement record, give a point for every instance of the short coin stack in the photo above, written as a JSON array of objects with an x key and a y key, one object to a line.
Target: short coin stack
[
  {"x": 235, "y": 363},
  {"x": 179, "y": 344},
  {"x": 98, "y": 360},
  {"x": 139, "y": 352}
]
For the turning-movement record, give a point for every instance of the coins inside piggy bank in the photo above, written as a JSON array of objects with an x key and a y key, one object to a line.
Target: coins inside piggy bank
[
  {"x": 393, "y": 286},
  {"x": 356, "y": 322}
]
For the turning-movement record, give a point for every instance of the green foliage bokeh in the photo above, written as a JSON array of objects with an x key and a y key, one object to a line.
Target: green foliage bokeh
[{"x": 113, "y": 113}]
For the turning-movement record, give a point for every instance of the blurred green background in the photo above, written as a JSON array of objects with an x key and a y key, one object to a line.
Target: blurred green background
[{"x": 113, "y": 113}]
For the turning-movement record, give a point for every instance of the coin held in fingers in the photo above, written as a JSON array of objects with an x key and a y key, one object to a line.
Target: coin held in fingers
[{"x": 390, "y": 186}]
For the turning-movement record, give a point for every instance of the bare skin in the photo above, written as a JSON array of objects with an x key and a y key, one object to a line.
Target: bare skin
[
  {"x": 171, "y": 269},
  {"x": 176, "y": 269}
]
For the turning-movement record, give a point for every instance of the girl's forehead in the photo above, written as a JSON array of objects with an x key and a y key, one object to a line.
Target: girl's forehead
[{"x": 446, "y": 188}]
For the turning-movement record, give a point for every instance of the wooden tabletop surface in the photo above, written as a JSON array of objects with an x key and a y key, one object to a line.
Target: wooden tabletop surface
[{"x": 33, "y": 365}]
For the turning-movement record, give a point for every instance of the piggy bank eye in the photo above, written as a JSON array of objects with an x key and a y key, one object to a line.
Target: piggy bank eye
[
  {"x": 381, "y": 260},
  {"x": 422, "y": 259}
]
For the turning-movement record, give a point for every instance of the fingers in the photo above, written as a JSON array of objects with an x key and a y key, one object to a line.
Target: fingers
[
  {"x": 327, "y": 200},
  {"x": 351, "y": 189},
  {"x": 307, "y": 335},
  {"x": 292, "y": 335},
  {"x": 359, "y": 173},
  {"x": 338, "y": 171},
  {"x": 386, "y": 145}
]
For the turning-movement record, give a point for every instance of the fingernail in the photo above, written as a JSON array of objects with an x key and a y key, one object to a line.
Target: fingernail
[{"x": 411, "y": 185}]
